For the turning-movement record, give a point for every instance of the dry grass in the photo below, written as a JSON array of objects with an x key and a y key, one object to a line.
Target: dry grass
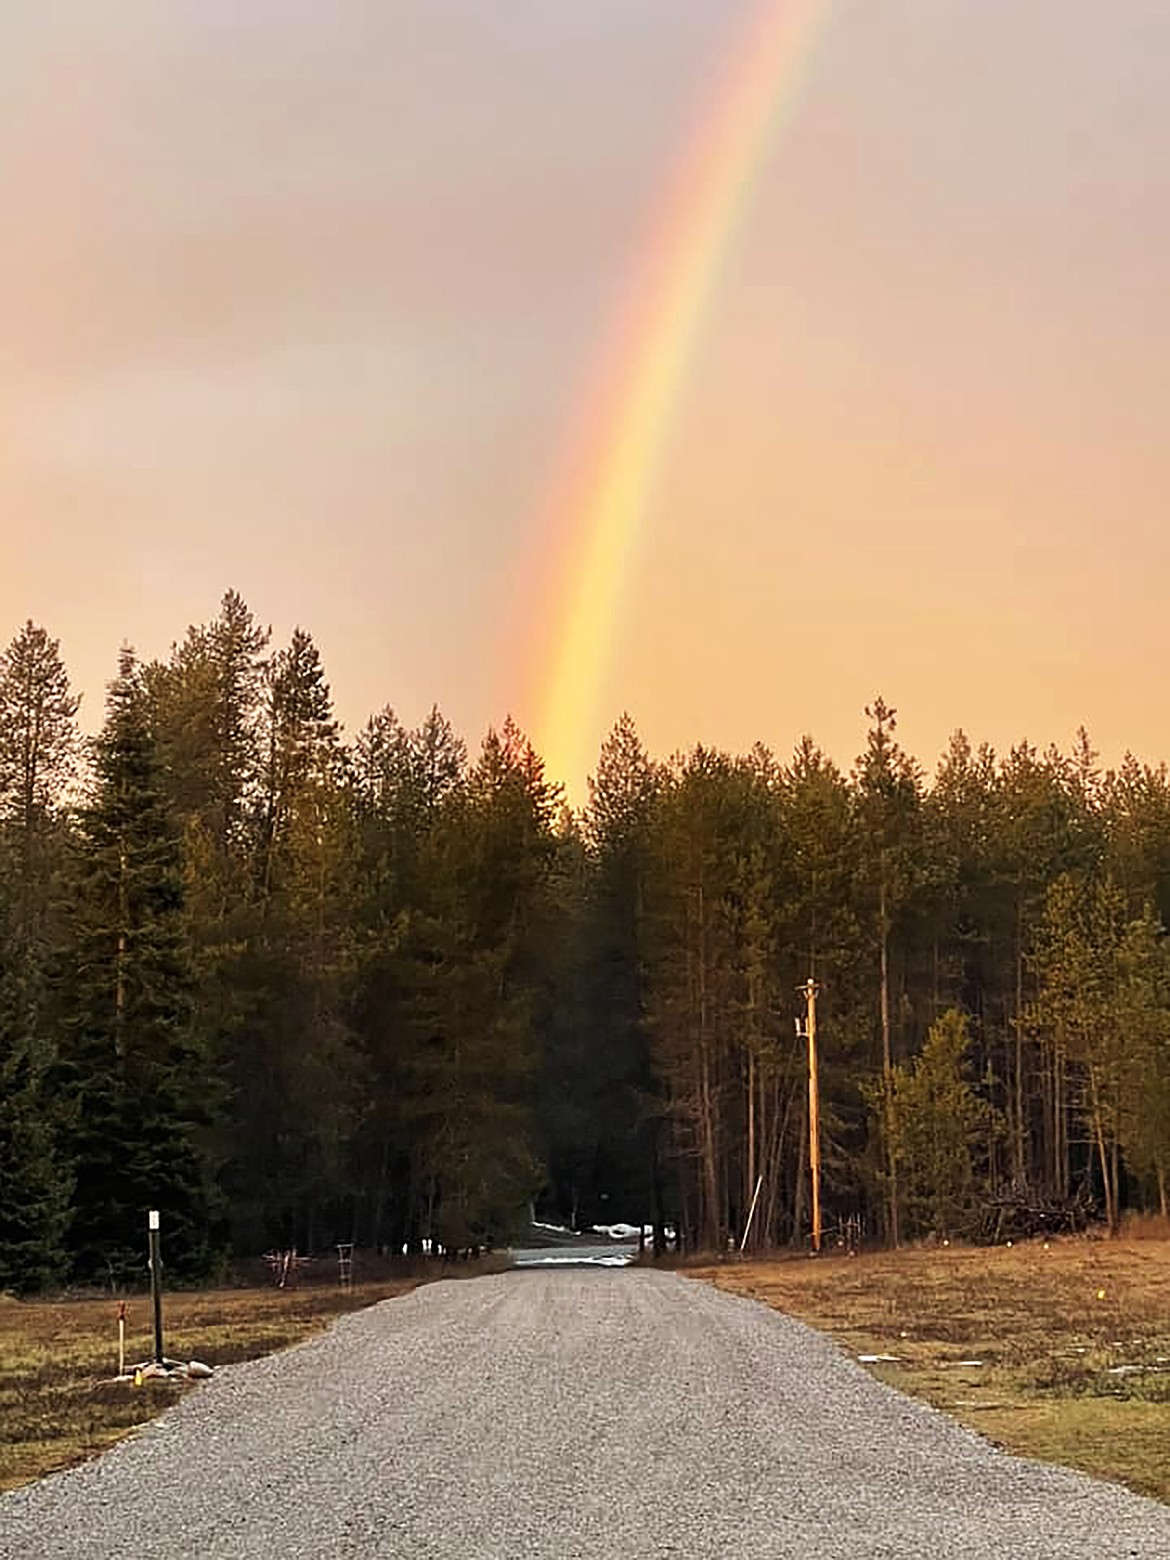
[
  {"x": 59, "y": 1403},
  {"x": 1073, "y": 1337}
]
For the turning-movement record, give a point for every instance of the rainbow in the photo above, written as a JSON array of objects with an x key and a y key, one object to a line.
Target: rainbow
[{"x": 602, "y": 499}]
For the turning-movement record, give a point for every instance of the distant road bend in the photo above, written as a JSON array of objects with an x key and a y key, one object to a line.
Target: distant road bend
[{"x": 564, "y": 1414}]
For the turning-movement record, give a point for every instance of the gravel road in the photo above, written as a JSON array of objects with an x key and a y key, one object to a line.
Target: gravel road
[{"x": 560, "y": 1415}]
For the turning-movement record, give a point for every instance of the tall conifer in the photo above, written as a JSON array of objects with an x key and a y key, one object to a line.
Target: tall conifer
[
  {"x": 38, "y": 746},
  {"x": 140, "y": 1093}
]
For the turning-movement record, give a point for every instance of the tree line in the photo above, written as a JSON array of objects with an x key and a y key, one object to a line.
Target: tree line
[{"x": 295, "y": 989}]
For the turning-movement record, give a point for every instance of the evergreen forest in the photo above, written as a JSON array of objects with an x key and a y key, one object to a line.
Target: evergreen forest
[{"x": 294, "y": 989}]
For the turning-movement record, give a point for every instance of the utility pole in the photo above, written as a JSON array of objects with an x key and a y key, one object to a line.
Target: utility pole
[{"x": 810, "y": 991}]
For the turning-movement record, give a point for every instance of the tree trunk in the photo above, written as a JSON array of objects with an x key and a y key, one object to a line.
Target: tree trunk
[
  {"x": 120, "y": 965},
  {"x": 659, "y": 1210},
  {"x": 800, "y": 1183},
  {"x": 774, "y": 1162},
  {"x": 709, "y": 1214},
  {"x": 1019, "y": 1158},
  {"x": 749, "y": 1180},
  {"x": 888, "y": 1065},
  {"x": 1060, "y": 1106},
  {"x": 1048, "y": 1115},
  {"x": 1115, "y": 1167},
  {"x": 1102, "y": 1153}
]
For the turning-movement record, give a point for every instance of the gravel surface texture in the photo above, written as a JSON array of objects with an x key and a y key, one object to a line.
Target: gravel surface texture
[{"x": 566, "y": 1414}]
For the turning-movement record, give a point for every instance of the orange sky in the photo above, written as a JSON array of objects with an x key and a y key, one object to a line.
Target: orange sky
[{"x": 304, "y": 302}]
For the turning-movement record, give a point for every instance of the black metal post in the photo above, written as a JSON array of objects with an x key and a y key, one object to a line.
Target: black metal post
[{"x": 156, "y": 1283}]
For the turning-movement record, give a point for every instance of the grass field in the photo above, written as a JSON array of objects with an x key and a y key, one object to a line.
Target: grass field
[
  {"x": 1072, "y": 1340},
  {"x": 59, "y": 1403}
]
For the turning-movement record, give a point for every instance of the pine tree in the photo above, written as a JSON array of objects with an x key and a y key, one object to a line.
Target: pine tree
[
  {"x": 475, "y": 956},
  {"x": 1101, "y": 1008},
  {"x": 598, "y": 1117},
  {"x": 35, "y": 1183},
  {"x": 295, "y": 1066},
  {"x": 38, "y": 748},
  {"x": 140, "y": 1093},
  {"x": 404, "y": 787},
  {"x": 38, "y": 732},
  {"x": 1040, "y": 829},
  {"x": 940, "y": 1129},
  {"x": 888, "y": 792},
  {"x": 299, "y": 736},
  {"x": 825, "y": 933},
  {"x": 699, "y": 969},
  {"x": 1135, "y": 813},
  {"x": 204, "y": 712},
  {"x": 35, "y": 1186}
]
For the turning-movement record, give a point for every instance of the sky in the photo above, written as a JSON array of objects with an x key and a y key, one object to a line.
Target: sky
[{"x": 310, "y": 301}]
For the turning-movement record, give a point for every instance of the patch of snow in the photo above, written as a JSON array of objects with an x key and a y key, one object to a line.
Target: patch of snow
[
  {"x": 574, "y": 1259},
  {"x": 879, "y": 1359}
]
